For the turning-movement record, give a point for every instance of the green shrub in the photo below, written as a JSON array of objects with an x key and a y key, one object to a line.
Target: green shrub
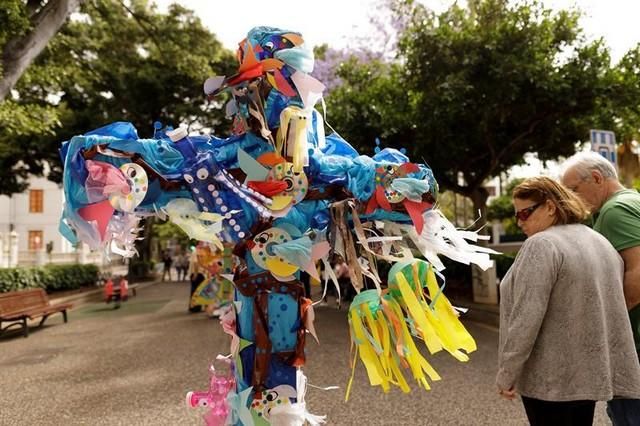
[
  {"x": 503, "y": 263},
  {"x": 140, "y": 270},
  {"x": 50, "y": 277}
]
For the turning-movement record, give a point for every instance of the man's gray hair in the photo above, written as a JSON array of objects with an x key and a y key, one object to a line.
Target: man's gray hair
[{"x": 586, "y": 162}]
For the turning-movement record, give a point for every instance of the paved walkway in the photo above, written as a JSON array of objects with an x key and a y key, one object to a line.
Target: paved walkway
[{"x": 134, "y": 365}]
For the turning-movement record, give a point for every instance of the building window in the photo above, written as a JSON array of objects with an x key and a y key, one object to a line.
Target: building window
[
  {"x": 36, "y": 201},
  {"x": 35, "y": 240}
]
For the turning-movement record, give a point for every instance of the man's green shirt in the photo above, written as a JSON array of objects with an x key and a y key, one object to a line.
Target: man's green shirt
[{"x": 619, "y": 221}]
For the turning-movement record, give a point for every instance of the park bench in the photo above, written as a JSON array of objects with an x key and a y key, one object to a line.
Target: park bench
[{"x": 16, "y": 307}]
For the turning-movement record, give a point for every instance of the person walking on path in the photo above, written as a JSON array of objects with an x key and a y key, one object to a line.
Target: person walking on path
[
  {"x": 182, "y": 266},
  {"x": 167, "y": 260},
  {"x": 565, "y": 340},
  {"x": 616, "y": 215}
]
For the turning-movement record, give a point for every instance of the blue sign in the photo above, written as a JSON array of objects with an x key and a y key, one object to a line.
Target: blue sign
[{"x": 604, "y": 142}]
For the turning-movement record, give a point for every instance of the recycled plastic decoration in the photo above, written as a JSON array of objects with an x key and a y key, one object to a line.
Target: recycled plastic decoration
[
  {"x": 216, "y": 291},
  {"x": 285, "y": 196}
]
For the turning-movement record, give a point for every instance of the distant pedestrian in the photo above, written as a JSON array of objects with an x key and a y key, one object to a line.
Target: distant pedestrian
[
  {"x": 185, "y": 265},
  {"x": 565, "y": 339},
  {"x": 196, "y": 278},
  {"x": 305, "y": 279},
  {"x": 182, "y": 265},
  {"x": 167, "y": 260}
]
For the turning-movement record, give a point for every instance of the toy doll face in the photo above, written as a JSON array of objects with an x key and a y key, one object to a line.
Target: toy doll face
[
  {"x": 264, "y": 402},
  {"x": 138, "y": 183},
  {"x": 263, "y": 255},
  {"x": 297, "y": 183},
  {"x": 385, "y": 175}
]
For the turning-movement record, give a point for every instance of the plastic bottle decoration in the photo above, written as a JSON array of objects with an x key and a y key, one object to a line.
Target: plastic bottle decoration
[
  {"x": 286, "y": 197},
  {"x": 215, "y": 398}
]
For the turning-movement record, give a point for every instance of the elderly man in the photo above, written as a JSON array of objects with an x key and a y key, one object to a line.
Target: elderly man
[{"x": 616, "y": 215}]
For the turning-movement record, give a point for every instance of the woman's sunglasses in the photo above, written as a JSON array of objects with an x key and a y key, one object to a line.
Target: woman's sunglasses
[{"x": 526, "y": 212}]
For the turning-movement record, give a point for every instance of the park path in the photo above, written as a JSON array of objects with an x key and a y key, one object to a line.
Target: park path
[{"x": 133, "y": 366}]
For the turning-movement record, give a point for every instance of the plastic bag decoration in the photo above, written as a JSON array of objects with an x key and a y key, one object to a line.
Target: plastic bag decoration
[{"x": 286, "y": 197}]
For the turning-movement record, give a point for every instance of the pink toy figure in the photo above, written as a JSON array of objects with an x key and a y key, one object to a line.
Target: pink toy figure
[{"x": 216, "y": 397}]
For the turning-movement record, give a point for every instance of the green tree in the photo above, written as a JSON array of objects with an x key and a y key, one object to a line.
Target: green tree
[
  {"x": 163, "y": 232},
  {"x": 497, "y": 80},
  {"x": 115, "y": 62},
  {"x": 370, "y": 103},
  {"x": 620, "y": 111},
  {"x": 475, "y": 88},
  {"x": 501, "y": 209},
  {"x": 25, "y": 29}
]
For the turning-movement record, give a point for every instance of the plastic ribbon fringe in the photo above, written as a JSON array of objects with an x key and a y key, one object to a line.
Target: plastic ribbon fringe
[
  {"x": 342, "y": 240},
  {"x": 123, "y": 230},
  {"x": 328, "y": 274},
  {"x": 439, "y": 236},
  {"x": 383, "y": 328}
]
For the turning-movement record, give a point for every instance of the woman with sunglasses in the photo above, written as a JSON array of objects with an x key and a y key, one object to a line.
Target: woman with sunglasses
[{"x": 565, "y": 339}]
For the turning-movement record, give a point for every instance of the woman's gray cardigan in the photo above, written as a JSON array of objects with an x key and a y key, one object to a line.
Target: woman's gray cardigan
[{"x": 564, "y": 329}]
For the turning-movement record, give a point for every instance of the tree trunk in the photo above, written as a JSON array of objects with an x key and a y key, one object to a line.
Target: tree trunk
[
  {"x": 479, "y": 197},
  {"x": 140, "y": 267},
  {"x": 20, "y": 52}
]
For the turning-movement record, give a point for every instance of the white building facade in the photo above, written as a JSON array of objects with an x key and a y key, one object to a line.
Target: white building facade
[{"x": 29, "y": 228}]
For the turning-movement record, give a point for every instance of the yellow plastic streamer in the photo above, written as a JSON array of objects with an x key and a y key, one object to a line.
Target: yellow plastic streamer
[
  {"x": 383, "y": 326},
  {"x": 452, "y": 327}
]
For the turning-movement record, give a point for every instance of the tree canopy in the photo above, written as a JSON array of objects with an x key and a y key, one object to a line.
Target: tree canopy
[
  {"x": 112, "y": 62},
  {"x": 26, "y": 26},
  {"x": 475, "y": 88}
]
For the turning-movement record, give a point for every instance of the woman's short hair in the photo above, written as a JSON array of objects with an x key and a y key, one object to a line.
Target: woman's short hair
[{"x": 569, "y": 207}]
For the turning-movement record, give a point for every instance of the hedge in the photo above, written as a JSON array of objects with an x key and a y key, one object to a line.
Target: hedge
[
  {"x": 503, "y": 263},
  {"x": 50, "y": 277}
]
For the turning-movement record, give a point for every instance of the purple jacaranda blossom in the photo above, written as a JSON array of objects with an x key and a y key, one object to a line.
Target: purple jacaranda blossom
[{"x": 380, "y": 44}]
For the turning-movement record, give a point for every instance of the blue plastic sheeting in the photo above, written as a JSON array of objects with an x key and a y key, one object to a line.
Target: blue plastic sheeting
[
  {"x": 306, "y": 214},
  {"x": 225, "y": 151},
  {"x": 391, "y": 155},
  {"x": 335, "y": 145}
]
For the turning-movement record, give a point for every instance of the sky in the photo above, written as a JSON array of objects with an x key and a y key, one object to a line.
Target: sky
[
  {"x": 337, "y": 22},
  {"x": 340, "y": 22}
]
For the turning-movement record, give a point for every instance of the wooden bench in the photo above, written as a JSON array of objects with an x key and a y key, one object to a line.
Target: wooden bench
[{"x": 16, "y": 307}]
